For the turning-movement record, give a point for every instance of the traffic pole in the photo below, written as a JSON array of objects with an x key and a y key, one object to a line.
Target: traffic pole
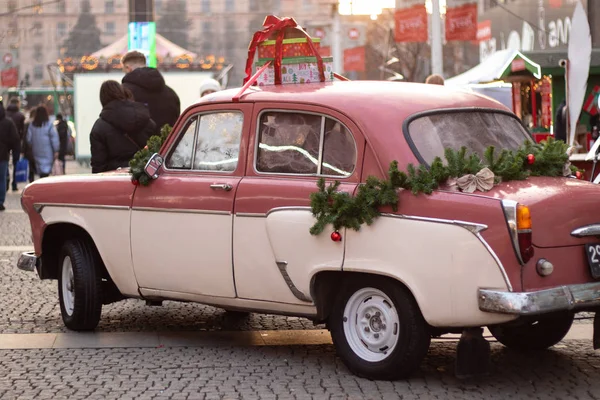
[
  {"x": 336, "y": 43},
  {"x": 437, "y": 62}
]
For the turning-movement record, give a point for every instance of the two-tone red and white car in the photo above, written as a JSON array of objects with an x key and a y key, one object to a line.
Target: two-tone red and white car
[{"x": 226, "y": 222}]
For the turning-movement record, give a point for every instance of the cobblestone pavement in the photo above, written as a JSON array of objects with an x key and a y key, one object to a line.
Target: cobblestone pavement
[
  {"x": 291, "y": 372},
  {"x": 29, "y": 305}
]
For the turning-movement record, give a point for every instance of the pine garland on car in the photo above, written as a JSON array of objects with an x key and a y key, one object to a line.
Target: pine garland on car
[
  {"x": 342, "y": 210},
  {"x": 140, "y": 159}
]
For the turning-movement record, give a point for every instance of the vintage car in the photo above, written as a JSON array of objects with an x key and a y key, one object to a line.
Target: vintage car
[{"x": 225, "y": 221}]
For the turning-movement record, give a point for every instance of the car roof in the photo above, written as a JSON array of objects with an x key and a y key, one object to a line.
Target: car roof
[
  {"x": 416, "y": 96},
  {"x": 379, "y": 108}
]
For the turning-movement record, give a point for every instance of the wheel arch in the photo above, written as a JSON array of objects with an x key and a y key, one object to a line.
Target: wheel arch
[
  {"x": 52, "y": 240},
  {"x": 324, "y": 297}
]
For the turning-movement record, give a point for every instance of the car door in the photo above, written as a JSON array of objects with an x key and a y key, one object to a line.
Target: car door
[
  {"x": 275, "y": 256},
  {"x": 181, "y": 224}
]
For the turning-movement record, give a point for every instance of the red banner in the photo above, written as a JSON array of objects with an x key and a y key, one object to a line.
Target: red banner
[
  {"x": 461, "y": 22},
  {"x": 484, "y": 30},
  {"x": 354, "y": 59},
  {"x": 411, "y": 24},
  {"x": 9, "y": 77},
  {"x": 325, "y": 51},
  {"x": 546, "y": 92}
]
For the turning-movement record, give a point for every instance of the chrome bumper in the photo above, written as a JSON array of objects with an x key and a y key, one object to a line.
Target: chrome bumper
[
  {"x": 561, "y": 298},
  {"x": 27, "y": 261}
]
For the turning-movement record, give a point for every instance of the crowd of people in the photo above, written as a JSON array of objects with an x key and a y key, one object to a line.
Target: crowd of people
[{"x": 132, "y": 111}]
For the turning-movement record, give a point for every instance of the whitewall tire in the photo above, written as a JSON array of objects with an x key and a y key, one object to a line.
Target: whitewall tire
[{"x": 378, "y": 330}]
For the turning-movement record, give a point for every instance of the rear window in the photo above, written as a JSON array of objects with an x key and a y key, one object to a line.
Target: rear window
[{"x": 476, "y": 130}]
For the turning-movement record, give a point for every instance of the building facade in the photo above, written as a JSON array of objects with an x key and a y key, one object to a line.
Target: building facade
[{"x": 34, "y": 33}]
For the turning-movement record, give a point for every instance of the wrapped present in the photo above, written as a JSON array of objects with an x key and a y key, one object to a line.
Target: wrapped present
[
  {"x": 298, "y": 47},
  {"x": 295, "y": 70},
  {"x": 278, "y": 30}
]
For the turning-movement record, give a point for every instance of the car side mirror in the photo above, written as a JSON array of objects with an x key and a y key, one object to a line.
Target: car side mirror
[{"x": 153, "y": 165}]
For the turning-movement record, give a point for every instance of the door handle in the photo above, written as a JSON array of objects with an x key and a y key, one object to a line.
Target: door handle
[{"x": 223, "y": 186}]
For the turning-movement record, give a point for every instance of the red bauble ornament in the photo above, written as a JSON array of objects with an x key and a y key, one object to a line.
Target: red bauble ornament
[
  {"x": 336, "y": 236},
  {"x": 135, "y": 182},
  {"x": 530, "y": 159},
  {"x": 578, "y": 175}
]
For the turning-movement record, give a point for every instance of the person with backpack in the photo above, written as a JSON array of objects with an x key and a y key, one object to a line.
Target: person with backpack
[
  {"x": 9, "y": 141},
  {"x": 64, "y": 137},
  {"x": 123, "y": 128},
  {"x": 43, "y": 140}
]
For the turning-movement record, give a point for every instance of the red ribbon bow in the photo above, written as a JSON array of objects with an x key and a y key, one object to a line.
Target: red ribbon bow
[{"x": 273, "y": 24}]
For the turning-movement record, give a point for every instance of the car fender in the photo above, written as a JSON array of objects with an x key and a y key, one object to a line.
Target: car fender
[{"x": 443, "y": 263}]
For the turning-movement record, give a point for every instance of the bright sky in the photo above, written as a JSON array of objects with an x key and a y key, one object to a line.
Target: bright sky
[{"x": 370, "y": 7}]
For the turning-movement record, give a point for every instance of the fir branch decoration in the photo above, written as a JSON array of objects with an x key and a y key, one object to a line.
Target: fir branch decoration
[
  {"x": 342, "y": 210},
  {"x": 140, "y": 159}
]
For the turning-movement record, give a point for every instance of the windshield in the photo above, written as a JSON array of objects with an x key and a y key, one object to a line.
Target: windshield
[{"x": 476, "y": 130}]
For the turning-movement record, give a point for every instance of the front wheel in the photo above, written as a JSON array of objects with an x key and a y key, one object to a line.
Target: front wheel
[
  {"x": 378, "y": 330},
  {"x": 79, "y": 285},
  {"x": 537, "y": 334}
]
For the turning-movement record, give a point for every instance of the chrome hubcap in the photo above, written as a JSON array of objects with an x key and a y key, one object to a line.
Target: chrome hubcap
[
  {"x": 371, "y": 324},
  {"x": 68, "y": 286}
]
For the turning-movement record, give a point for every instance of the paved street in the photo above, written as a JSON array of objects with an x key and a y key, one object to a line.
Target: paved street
[{"x": 190, "y": 351}]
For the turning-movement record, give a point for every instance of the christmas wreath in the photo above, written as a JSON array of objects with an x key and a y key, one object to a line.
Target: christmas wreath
[
  {"x": 462, "y": 171},
  {"x": 140, "y": 159}
]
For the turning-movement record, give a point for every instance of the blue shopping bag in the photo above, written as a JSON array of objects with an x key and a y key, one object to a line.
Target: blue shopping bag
[{"x": 22, "y": 170}]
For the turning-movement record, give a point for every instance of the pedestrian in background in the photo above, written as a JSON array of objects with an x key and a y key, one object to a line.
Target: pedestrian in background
[
  {"x": 9, "y": 142},
  {"x": 435, "y": 79},
  {"x": 63, "y": 136},
  {"x": 44, "y": 142},
  {"x": 13, "y": 112},
  {"x": 560, "y": 122},
  {"x": 123, "y": 129},
  {"x": 149, "y": 88},
  {"x": 26, "y": 148},
  {"x": 209, "y": 86}
]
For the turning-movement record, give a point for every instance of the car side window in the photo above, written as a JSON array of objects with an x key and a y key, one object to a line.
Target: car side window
[
  {"x": 181, "y": 157},
  {"x": 218, "y": 141},
  {"x": 304, "y": 144},
  {"x": 339, "y": 150}
]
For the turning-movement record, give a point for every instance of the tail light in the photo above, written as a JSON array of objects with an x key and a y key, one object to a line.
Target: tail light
[{"x": 518, "y": 218}]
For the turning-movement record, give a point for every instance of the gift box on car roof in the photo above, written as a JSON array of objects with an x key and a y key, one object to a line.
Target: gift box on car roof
[{"x": 286, "y": 55}]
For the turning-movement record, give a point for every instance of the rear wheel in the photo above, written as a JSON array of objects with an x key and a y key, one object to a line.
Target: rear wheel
[
  {"x": 79, "y": 285},
  {"x": 537, "y": 334},
  {"x": 378, "y": 330}
]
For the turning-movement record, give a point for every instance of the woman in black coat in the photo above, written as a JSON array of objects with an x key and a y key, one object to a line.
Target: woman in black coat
[{"x": 123, "y": 128}]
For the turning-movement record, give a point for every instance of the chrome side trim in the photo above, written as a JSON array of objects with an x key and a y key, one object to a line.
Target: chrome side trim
[
  {"x": 472, "y": 227},
  {"x": 588, "y": 230},
  {"x": 27, "y": 261},
  {"x": 182, "y": 210},
  {"x": 38, "y": 207},
  {"x": 495, "y": 257},
  {"x": 561, "y": 298},
  {"x": 282, "y": 265},
  {"x": 289, "y": 208},
  {"x": 251, "y": 215}
]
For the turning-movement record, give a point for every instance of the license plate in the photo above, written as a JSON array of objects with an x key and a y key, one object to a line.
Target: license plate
[{"x": 593, "y": 255}]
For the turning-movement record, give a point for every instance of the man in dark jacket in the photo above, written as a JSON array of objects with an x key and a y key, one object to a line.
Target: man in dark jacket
[
  {"x": 9, "y": 141},
  {"x": 12, "y": 112},
  {"x": 148, "y": 87},
  {"x": 123, "y": 128},
  {"x": 63, "y": 136}
]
